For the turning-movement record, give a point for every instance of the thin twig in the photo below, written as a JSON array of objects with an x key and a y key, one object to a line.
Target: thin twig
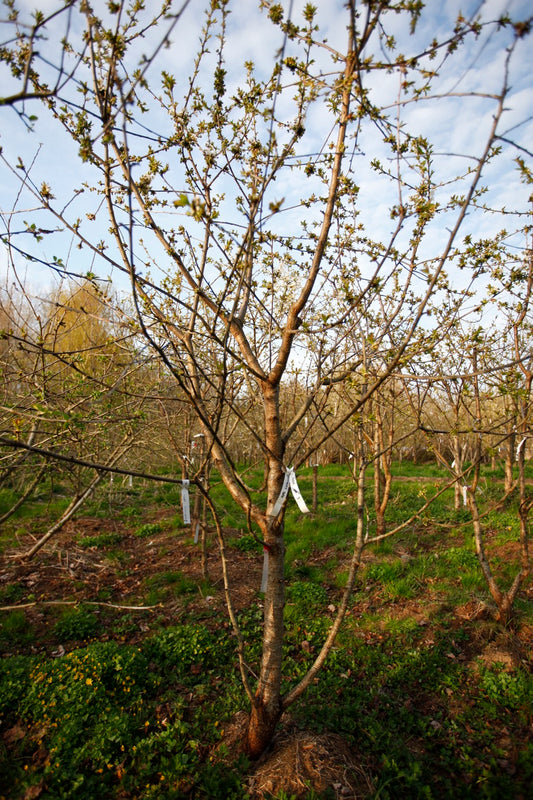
[{"x": 77, "y": 603}]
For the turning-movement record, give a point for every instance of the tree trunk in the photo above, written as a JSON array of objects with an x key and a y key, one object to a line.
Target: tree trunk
[
  {"x": 509, "y": 462},
  {"x": 458, "y": 468},
  {"x": 266, "y": 707},
  {"x": 261, "y": 727}
]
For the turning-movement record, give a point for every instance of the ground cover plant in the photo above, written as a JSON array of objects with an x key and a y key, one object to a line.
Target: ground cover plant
[{"x": 120, "y": 675}]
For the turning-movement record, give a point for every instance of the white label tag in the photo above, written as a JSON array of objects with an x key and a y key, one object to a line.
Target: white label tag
[
  {"x": 520, "y": 446},
  {"x": 465, "y": 489},
  {"x": 282, "y": 495},
  {"x": 185, "y": 502},
  {"x": 290, "y": 481},
  {"x": 296, "y": 493}
]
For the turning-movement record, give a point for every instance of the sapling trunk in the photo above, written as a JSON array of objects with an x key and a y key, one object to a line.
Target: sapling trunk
[{"x": 266, "y": 706}]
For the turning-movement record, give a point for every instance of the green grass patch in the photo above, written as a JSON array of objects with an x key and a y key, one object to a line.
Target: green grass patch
[
  {"x": 148, "y": 529},
  {"x": 165, "y": 585},
  {"x": 76, "y": 623},
  {"x": 408, "y": 684},
  {"x": 100, "y": 539},
  {"x": 15, "y": 629}
]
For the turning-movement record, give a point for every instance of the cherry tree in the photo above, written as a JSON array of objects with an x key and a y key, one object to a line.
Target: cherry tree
[{"x": 244, "y": 204}]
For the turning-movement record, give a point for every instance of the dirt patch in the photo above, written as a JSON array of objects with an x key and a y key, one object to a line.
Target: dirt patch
[
  {"x": 474, "y": 610},
  {"x": 118, "y": 575},
  {"x": 495, "y": 655}
]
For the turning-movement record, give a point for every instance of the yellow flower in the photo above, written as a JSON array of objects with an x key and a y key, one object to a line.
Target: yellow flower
[{"x": 89, "y": 681}]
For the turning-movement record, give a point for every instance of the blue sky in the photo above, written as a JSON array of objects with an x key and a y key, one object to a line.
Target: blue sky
[{"x": 457, "y": 124}]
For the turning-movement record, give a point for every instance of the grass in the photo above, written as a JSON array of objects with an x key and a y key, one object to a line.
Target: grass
[
  {"x": 15, "y": 631},
  {"x": 76, "y": 624},
  {"x": 434, "y": 704},
  {"x": 166, "y": 585},
  {"x": 100, "y": 540}
]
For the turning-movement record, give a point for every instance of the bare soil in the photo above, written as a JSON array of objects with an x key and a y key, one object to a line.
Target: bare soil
[{"x": 64, "y": 572}]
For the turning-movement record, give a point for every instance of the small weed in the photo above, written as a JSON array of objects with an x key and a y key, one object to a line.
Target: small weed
[
  {"x": 15, "y": 630},
  {"x": 129, "y": 513},
  {"x": 100, "y": 540},
  {"x": 183, "y": 647},
  {"x": 340, "y": 578},
  {"x": 309, "y": 595},
  {"x": 246, "y": 544},
  {"x": 12, "y": 593},
  {"x": 305, "y": 602},
  {"x": 14, "y": 685},
  {"x": 383, "y": 548},
  {"x": 125, "y": 625},
  {"x": 386, "y": 572},
  {"x": 148, "y": 529},
  {"x": 510, "y": 690},
  {"x": 405, "y": 627},
  {"x": 166, "y": 584},
  {"x": 76, "y": 624},
  {"x": 117, "y": 556},
  {"x": 305, "y": 571}
]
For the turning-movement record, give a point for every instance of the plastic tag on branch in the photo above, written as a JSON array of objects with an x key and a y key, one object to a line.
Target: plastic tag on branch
[
  {"x": 520, "y": 446},
  {"x": 289, "y": 481},
  {"x": 296, "y": 493},
  {"x": 185, "y": 505},
  {"x": 282, "y": 495}
]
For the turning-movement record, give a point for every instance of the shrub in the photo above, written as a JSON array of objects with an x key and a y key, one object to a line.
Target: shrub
[{"x": 180, "y": 583}]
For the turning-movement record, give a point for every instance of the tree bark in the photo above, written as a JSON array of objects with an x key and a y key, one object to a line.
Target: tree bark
[{"x": 266, "y": 706}]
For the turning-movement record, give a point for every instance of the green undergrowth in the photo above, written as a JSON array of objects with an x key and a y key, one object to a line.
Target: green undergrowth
[
  {"x": 115, "y": 720},
  {"x": 415, "y": 698},
  {"x": 434, "y": 702},
  {"x": 431, "y": 724},
  {"x": 165, "y": 585}
]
